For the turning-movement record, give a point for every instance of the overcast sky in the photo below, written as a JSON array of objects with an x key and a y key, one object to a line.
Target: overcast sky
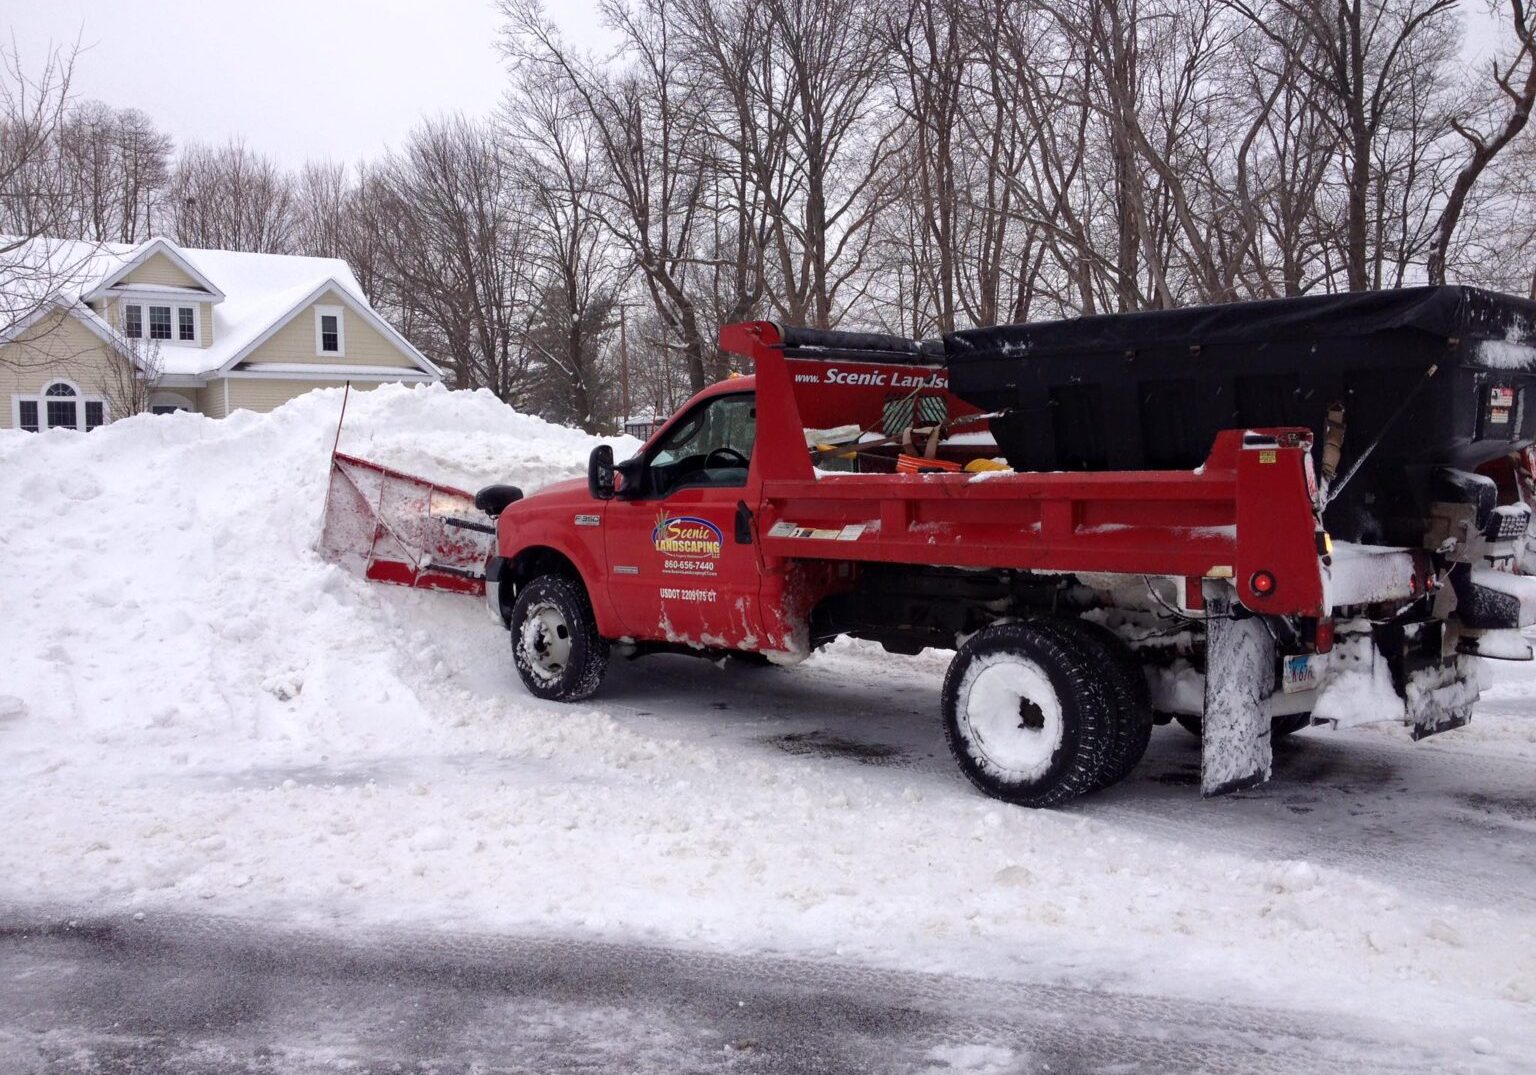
[{"x": 296, "y": 79}]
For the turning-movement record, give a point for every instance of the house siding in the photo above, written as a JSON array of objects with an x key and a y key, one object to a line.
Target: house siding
[
  {"x": 57, "y": 348},
  {"x": 364, "y": 345},
  {"x": 210, "y": 400},
  {"x": 265, "y": 394},
  {"x": 161, "y": 270}
]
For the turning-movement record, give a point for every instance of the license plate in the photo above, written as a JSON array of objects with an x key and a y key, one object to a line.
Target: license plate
[{"x": 1301, "y": 673}]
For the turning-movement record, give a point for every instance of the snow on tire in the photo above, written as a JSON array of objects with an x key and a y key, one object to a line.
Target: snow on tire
[
  {"x": 1025, "y": 715},
  {"x": 555, "y": 644}
]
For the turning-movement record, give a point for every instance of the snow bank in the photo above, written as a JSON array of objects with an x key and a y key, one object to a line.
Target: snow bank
[{"x": 162, "y": 587}]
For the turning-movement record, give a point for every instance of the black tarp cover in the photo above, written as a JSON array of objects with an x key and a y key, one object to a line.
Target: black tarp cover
[{"x": 1448, "y": 312}]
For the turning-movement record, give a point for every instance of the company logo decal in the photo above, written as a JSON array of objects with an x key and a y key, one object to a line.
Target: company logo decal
[
  {"x": 687, "y": 536},
  {"x": 811, "y": 372}
]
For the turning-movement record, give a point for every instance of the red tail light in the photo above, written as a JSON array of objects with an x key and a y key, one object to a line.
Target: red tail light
[
  {"x": 1323, "y": 640},
  {"x": 1262, "y": 583}
]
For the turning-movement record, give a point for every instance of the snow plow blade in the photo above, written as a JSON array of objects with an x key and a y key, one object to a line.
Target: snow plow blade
[{"x": 398, "y": 528}]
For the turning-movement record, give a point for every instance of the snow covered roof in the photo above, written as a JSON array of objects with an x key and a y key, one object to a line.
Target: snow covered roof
[
  {"x": 251, "y": 294},
  {"x": 43, "y": 272},
  {"x": 112, "y": 283}
]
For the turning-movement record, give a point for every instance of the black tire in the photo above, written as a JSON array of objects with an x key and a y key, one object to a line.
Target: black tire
[
  {"x": 1126, "y": 699},
  {"x": 1035, "y": 674},
  {"x": 555, "y": 644},
  {"x": 1130, "y": 701},
  {"x": 1279, "y": 727}
]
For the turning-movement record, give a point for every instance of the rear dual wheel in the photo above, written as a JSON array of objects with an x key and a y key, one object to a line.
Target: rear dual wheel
[
  {"x": 1039, "y": 712},
  {"x": 1129, "y": 698}
]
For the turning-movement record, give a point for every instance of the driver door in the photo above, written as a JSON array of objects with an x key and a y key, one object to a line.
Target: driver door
[{"x": 676, "y": 571}]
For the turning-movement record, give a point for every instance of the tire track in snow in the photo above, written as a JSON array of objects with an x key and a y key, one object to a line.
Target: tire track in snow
[{"x": 1397, "y": 813}]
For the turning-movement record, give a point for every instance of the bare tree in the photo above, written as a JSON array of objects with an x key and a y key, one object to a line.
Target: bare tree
[
  {"x": 232, "y": 198},
  {"x": 931, "y": 47},
  {"x": 453, "y": 254},
  {"x": 1358, "y": 56},
  {"x": 1488, "y": 134},
  {"x": 648, "y": 128},
  {"x": 321, "y": 202},
  {"x": 33, "y": 111},
  {"x": 1280, "y": 174},
  {"x": 37, "y": 273},
  {"x": 133, "y": 372},
  {"x": 113, "y": 168},
  {"x": 1038, "y": 84},
  {"x": 581, "y": 277},
  {"x": 807, "y": 109}
]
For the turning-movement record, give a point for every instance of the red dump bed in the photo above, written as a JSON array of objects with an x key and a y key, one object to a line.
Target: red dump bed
[{"x": 1245, "y": 515}]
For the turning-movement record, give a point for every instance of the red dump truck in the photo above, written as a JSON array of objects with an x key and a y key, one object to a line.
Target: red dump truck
[{"x": 846, "y": 488}]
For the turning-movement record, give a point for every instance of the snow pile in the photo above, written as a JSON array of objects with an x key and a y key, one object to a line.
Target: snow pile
[
  {"x": 161, "y": 584},
  {"x": 1359, "y": 689},
  {"x": 197, "y": 712}
]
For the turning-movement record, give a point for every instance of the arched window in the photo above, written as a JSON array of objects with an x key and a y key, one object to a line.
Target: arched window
[
  {"x": 169, "y": 403},
  {"x": 63, "y": 405},
  {"x": 60, "y": 405}
]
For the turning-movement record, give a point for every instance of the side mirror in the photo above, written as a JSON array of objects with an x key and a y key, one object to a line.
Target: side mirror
[{"x": 600, "y": 472}]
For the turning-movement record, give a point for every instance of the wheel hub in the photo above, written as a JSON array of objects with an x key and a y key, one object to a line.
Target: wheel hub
[
  {"x": 1031, "y": 716},
  {"x": 546, "y": 640},
  {"x": 1011, "y": 717}
]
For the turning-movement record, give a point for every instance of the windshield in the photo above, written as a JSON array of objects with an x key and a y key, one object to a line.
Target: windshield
[{"x": 728, "y": 423}]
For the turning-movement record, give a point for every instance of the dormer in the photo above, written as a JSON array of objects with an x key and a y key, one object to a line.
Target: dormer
[{"x": 159, "y": 296}]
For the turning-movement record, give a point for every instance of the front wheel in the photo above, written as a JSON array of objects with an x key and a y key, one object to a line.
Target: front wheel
[
  {"x": 555, "y": 644},
  {"x": 1025, "y": 715}
]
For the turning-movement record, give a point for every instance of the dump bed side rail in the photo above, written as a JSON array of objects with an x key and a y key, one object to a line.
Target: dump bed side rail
[{"x": 1245, "y": 516}]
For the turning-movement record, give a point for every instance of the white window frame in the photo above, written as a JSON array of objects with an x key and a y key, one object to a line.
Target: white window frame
[
  {"x": 322, "y": 312},
  {"x": 41, "y": 399},
  {"x": 171, "y": 399},
  {"x": 175, "y": 340}
]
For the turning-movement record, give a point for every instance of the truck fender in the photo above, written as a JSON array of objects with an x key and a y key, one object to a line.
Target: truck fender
[{"x": 530, "y": 561}]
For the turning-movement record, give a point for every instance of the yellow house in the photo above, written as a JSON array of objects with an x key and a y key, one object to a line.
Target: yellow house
[{"x": 96, "y": 331}]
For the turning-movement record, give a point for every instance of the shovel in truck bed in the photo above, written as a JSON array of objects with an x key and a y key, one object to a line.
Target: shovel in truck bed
[{"x": 389, "y": 526}]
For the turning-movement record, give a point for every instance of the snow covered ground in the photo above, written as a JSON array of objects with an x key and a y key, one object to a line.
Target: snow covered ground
[{"x": 198, "y": 715}]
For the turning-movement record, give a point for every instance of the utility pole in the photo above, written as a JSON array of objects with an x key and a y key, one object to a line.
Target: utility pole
[{"x": 624, "y": 360}]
